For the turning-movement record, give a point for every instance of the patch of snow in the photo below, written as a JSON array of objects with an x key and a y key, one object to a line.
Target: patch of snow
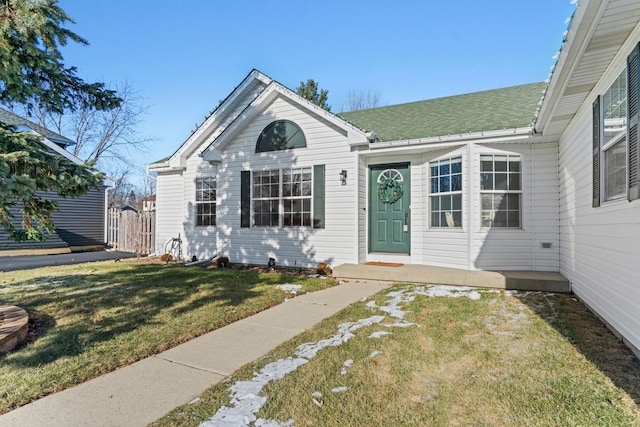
[
  {"x": 261, "y": 422},
  {"x": 245, "y": 395},
  {"x": 347, "y": 364},
  {"x": 379, "y": 334},
  {"x": 345, "y": 333},
  {"x": 401, "y": 324},
  {"x": 449, "y": 291},
  {"x": 289, "y": 288}
]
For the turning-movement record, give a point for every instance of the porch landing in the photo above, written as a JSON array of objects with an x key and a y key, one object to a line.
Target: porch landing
[{"x": 414, "y": 273}]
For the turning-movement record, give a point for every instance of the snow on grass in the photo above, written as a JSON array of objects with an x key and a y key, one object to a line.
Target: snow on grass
[
  {"x": 347, "y": 364},
  {"x": 289, "y": 288},
  {"x": 379, "y": 334},
  {"x": 245, "y": 395}
]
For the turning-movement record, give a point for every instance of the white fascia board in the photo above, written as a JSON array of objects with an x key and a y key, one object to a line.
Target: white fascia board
[
  {"x": 106, "y": 181},
  {"x": 163, "y": 167},
  {"x": 213, "y": 150},
  {"x": 355, "y": 135},
  {"x": 484, "y": 137},
  {"x": 583, "y": 24},
  {"x": 196, "y": 138},
  {"x": 55, "y": 147}
]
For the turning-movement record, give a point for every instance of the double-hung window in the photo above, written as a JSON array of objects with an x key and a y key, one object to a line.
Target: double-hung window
[
  {"x": 613, "y": 140},
  {"x": 616, "y": 159},
  {"x": 282, "y": 198},
  {"x": 500, "y": 190},
  {"x": 446, "y": 192},
  {"x": 206, "y": 201}
]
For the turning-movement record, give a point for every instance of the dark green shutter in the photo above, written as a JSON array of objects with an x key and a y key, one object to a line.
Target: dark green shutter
[
  {"x": 245, "y": 199},
  {"x": 596, "y": 152},
  {"x": 633, "y": 78},
  {"x": 318, "y": 196}
]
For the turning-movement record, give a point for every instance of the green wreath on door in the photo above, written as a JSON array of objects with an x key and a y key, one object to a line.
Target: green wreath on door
[{"x": 389, "y": 190}]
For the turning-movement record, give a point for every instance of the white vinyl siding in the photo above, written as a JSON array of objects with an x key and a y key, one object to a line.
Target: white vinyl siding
[
  {"x": 169, "y": 208},
  {"x": 294, "y": 246},
  {"x": 599, "y": 248},
  {"x": 523, "y": 248}
]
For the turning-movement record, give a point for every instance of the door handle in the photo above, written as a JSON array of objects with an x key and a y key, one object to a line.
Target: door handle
[{"x": 406, "y": 218}]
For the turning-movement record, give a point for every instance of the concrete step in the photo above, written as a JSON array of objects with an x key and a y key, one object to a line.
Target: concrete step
[{"x": 413, "y": 273}]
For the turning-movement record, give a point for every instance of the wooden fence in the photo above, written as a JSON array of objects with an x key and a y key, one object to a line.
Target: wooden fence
[{"x": 132, "y": 231}]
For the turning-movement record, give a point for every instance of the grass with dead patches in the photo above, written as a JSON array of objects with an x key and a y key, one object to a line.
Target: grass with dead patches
[
  {"x": 532, "y": 359},
  {"x": 91, "y": 319}
]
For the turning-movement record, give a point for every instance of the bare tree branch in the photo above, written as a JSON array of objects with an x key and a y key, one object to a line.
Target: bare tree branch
[{"x": 358, "y": 100}]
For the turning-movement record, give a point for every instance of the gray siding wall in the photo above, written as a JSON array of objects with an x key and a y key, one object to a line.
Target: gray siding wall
[{"x": 80, "y": 222}]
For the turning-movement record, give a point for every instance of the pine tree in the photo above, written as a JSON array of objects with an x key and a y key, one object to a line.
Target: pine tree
[
  {"x": 32, "y": 73},
  {"x": 310, "y": 91}
]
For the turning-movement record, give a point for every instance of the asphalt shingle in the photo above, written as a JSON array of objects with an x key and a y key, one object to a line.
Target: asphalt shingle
[{"x": 506, "y": 108}]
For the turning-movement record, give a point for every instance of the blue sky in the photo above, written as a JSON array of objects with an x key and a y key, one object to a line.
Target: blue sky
[{"x": 184, "y": 57}]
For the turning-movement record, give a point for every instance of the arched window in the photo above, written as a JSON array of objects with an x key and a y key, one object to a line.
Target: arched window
[
  {"x": 280, "y": 135},
  {"x": 390, "y": 173}
]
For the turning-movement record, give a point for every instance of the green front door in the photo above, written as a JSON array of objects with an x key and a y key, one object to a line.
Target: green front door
[{"x": 389, "y": 216}]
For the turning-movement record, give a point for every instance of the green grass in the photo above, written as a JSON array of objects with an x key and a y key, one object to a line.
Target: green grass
[
  {"x": 94, "y": 318},
  {"x": 530, "y": 360}
]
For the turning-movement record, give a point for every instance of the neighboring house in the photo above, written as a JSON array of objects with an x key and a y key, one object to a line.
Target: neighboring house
[
  {"x": 80, "y": 222},
  {"x": 494, "y": 180}
]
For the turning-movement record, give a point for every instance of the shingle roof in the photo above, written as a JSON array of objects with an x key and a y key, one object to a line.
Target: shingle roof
[
  {"x": 506, "y": 108},
  {"x": 9, "y": 118}
]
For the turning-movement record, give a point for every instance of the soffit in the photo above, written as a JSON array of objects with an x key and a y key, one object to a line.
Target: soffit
[{"x": 617, "y": 20}]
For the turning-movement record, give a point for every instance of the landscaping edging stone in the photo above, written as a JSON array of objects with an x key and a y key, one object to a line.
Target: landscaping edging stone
[{"x": 14, "y": 325}]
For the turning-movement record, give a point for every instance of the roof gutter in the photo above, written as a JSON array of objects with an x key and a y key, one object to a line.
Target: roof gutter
[{"x": 485, "y": 136}]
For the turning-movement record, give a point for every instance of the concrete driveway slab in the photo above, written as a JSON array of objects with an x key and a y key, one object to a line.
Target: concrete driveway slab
[{"x": 26, "y": 262}]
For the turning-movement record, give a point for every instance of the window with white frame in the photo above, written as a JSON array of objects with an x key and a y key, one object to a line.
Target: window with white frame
[
  {"x": 500, "y": 190},
  {"x": 446, "y": 192},
  {"x": 613, "y": 142},
  {"x": 206, "y": 201},
  {"x": 282, "y": 198}
]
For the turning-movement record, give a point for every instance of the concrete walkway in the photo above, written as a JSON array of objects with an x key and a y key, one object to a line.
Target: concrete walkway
[
  {"x": 546, "y": 281},
  {"x": 145, "y": 391}
]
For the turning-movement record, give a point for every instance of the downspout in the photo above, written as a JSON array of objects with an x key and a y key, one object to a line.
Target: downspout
[
  {"x": 106, "y": 215},
  {"x": 469, "y": 204},
  {"x": 533, "y": 211}
]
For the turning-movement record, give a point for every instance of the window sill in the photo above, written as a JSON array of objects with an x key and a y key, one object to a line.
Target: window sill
[
  {"x": 501, "y": 229},
  {"x": 446, "y": 229},
  {"x": 614, "y": 202}
]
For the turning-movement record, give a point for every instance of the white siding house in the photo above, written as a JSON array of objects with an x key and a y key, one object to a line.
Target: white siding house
[
  {"x": 541, "y": 177},
  {"x": 590, "y": 112}
]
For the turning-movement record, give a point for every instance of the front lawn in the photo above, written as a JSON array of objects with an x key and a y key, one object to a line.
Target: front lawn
[
  {"x": 432, "y": 356},
  {"x": 93, "y": 318}
]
